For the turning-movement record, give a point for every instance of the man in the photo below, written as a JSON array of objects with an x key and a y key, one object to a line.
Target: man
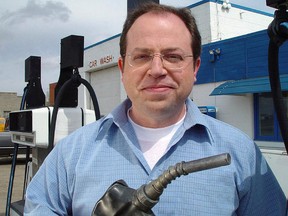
[{"x": 158, "y": 126}]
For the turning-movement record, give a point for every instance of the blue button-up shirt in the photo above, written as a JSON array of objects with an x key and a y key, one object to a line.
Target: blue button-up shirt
[{"x": 82, "y": 166}]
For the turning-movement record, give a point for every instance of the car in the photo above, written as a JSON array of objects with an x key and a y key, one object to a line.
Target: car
[
  {"x": 7, "y": 147},
  {"x": 2, "y": 124}
]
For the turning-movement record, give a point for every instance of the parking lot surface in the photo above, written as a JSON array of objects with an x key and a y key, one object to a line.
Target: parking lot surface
[{"x": 5, "y": 169}]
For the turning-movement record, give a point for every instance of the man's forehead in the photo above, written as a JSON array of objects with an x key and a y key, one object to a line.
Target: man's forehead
[{"x": 150, "y": 19}]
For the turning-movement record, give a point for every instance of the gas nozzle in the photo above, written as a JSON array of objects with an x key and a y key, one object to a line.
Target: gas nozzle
[
  {"x": 148, "y": 195},
  {"x": 120, "y": 200}
]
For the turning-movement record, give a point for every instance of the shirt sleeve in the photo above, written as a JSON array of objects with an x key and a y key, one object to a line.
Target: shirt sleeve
[
  {"x": 48, "y": 193},
  {"x": 265, "y": 196}
]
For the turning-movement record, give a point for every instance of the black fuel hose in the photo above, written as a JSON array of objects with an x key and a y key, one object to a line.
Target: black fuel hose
[
  {"x": 14, "y": 161},
  {"x": 278, "y": 34},
  {"x": 74, "y": 80}
]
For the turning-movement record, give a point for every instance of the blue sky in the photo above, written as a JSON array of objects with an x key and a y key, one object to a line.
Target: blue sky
[{"x": 36, "y": 27}]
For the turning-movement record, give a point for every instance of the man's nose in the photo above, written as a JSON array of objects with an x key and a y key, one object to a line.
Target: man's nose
[{"x": 157, "y": 68}]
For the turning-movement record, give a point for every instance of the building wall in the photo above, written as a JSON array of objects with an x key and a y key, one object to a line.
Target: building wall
[
  {"x": 107, "y": 86},
  {"x": 52, "y": 87},
  {"x": 101, "y": 71},
  {"x": 203, "y": 20},
  {"x": 9, "y": 101},
  {"x": 216, "y": 23},
  {"x": 242, "y": 57},
  {"x": 238, "y": 20},
  {"x": 236, "y": 110}
]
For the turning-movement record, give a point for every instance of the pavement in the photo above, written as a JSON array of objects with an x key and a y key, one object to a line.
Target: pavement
[{"x": 5, "y": 170}]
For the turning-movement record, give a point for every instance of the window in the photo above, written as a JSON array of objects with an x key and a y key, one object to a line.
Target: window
[{"x": 266, "y": 124}]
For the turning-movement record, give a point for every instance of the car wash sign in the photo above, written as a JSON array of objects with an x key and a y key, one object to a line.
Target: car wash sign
[
  {"x": 102, "y": 61},
  {"x": 102, "y": 55}
]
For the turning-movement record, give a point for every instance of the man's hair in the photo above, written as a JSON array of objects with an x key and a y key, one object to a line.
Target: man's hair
[{"x": 183, "y": 13}]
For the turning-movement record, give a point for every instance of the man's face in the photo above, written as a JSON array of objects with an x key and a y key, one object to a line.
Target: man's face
[{"x": 155, "y": 88}]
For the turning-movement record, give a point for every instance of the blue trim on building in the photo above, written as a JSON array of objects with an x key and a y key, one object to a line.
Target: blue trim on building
[
  {"x": 252, "y": 10},
  {"x": 103, "y": 41},
  {"x": 199, "y": 3},
  {"x": 253, "y": 85},
  {"x": 242, "y": 57}
]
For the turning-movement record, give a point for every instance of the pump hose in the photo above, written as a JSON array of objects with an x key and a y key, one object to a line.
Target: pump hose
[
  {"x": 14, "y": 160},
  {"x": 278, "y": 34},
  {"x": 75, "y": 78},
  {"x": 279, "y": 102}
]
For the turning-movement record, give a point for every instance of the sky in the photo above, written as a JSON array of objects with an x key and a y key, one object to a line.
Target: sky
[{"x": 36, "y": 27}]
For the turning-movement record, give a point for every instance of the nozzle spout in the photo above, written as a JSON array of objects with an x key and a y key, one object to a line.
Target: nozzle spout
[{"x": 148, "y": 195}]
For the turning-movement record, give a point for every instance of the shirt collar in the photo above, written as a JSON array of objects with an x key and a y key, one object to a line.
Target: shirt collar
[{"x": 194, "y": 117}]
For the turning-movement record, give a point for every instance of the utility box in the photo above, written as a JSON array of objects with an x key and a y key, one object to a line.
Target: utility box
[{"x": 208, "y": 110}]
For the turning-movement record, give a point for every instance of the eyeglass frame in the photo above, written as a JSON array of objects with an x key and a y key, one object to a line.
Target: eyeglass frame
[{"x": 162, "y": 57}]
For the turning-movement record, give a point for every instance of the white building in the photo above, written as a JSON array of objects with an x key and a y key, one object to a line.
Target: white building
[{"x": 238, "y": 34}]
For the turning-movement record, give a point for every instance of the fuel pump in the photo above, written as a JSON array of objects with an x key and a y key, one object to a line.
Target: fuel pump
[
  {"x": 33, "y": 97},
  {"x": 72, "y": 48},
  {"x": 34, "y": 125}
]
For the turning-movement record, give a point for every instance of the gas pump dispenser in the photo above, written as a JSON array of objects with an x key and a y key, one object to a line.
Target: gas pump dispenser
[
  {"x": 36, "y": 125},
  {"x": 33, "y": 97}
]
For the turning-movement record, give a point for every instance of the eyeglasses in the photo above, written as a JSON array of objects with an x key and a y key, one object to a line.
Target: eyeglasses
[{"x": 169, "y": 60}]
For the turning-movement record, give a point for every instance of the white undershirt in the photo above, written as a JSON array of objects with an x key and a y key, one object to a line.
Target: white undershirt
[{"x": 154, "y": 141}]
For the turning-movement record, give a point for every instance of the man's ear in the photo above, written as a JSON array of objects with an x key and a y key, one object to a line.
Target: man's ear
[
  {"x": 121, "y": 64},
  {"x": 196, "y": 68}
]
